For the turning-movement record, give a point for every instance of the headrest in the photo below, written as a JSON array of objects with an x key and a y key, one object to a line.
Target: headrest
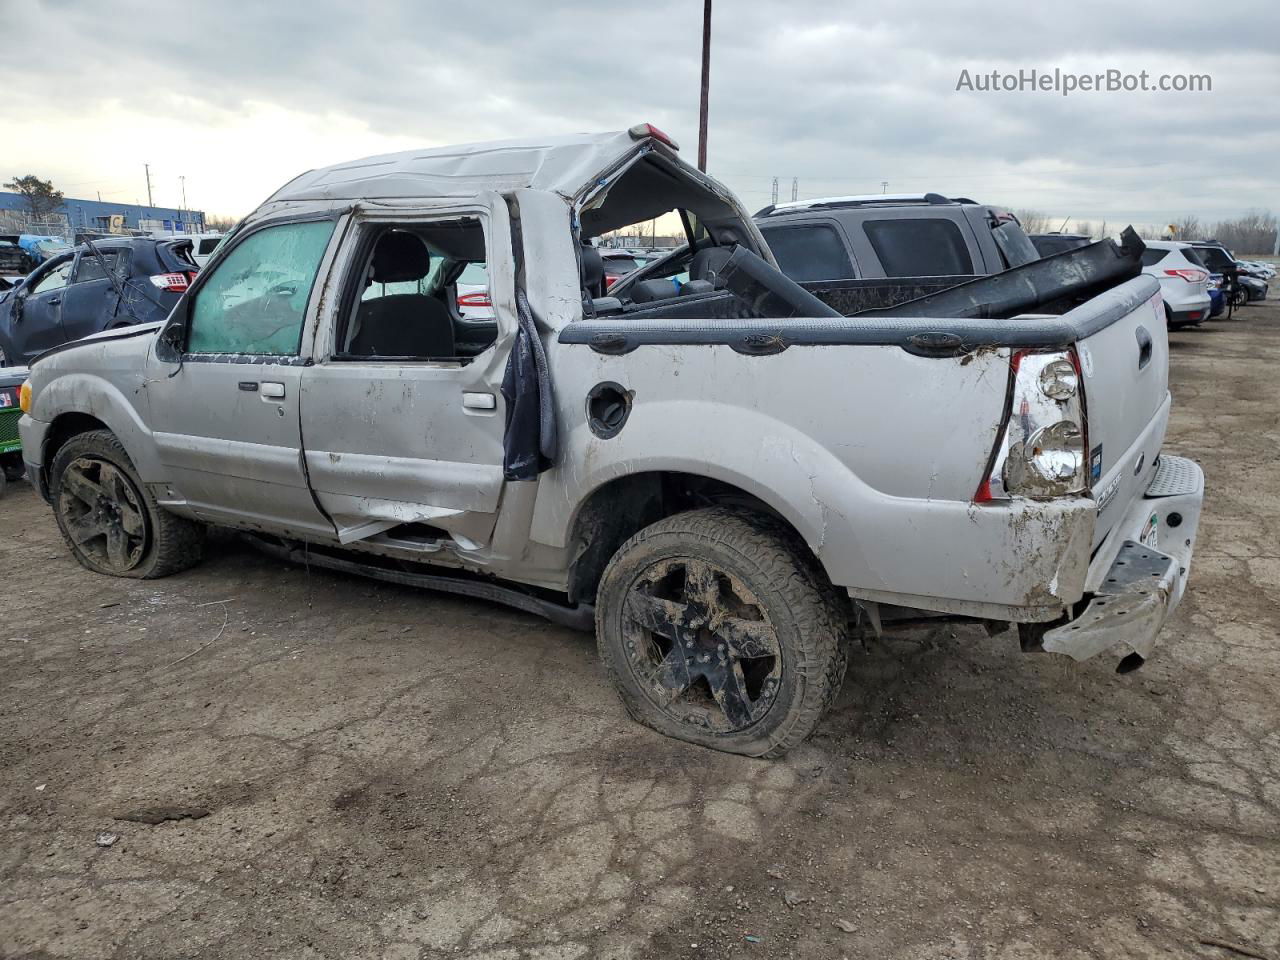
[
  {"x": 707, "y": 263},
  {"x": 646, "y": 291},
  {"x": 400, "y": 256}
]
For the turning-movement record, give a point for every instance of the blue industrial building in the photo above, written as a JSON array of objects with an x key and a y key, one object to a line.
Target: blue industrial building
[{"x": 96, "y": 216}]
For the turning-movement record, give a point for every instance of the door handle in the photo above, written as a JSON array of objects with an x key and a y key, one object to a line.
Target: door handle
[
  {"x": 54, "y": 301},
  {"x": 272, "y": 390},
  {"x": 1144, "y": 347},
  {"x": 479, "y": 401}
]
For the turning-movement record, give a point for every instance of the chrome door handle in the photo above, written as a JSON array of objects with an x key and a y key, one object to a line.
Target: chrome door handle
[
  {"x": 479, "y": 401},
  {"x": 272, "y": 390}
]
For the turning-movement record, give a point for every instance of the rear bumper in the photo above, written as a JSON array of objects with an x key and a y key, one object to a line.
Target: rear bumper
[
  {"x": 1180, "y": 318},
  {"x": 1139, "y": 575}
]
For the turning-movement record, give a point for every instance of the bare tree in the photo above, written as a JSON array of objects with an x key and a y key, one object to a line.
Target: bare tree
[
  {"x": 1102, "y": 231},
  {"x": 1253, "y": 233},
  {"x": 1187, "y": 228},
  {"x": 1033, "y": 221},
  {"x": 219, "y": 223},
  {"x": 1084, "y": 228}
]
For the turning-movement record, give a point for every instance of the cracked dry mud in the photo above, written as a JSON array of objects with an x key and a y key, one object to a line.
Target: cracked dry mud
[{"x": 400, "y": 774}]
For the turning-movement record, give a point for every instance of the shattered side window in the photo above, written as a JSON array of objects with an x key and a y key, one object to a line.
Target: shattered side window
[{"x": 256, "y": 298}]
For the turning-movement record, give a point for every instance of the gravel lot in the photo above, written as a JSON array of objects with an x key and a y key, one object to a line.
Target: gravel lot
[{"x": 390, "y": 773}]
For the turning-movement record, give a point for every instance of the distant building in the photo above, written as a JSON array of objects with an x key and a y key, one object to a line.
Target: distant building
[{"x": 97, "y": 216}]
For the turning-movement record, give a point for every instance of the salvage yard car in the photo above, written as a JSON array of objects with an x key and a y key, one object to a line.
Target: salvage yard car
[
  {"x": 723, "y": 475},
  {"x": 94, "y": 287}
]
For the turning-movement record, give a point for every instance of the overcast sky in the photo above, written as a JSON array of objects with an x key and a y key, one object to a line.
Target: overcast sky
[{"x": 240, "y": 97}]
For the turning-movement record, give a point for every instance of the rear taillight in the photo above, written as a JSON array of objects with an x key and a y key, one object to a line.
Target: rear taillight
[
  {"x": 474, "y": 300},
  {"x": 174, "y": 282},
  {"x": 1041, "y": 451},
  {"x": 1188, "y": 274}
]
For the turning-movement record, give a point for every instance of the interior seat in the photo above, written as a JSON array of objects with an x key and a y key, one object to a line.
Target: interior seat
[
  {"x": 707, "y": 263},
  {"x": 592, "y": 271},
  {"x": 404, "y": 324}
]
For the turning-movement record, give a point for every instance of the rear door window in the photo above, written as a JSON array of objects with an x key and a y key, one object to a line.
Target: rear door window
[
  {"x": 810, "y": 252},
  {"x": 256, "y": 298},
  {"x": 1153, "y": 255},
  {"x": 90, "y": 267},
  {"x": 922, "y": 247}
]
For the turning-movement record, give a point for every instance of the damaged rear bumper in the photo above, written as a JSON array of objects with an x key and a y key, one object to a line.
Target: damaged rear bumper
[{"x": 1136, "y": 584}]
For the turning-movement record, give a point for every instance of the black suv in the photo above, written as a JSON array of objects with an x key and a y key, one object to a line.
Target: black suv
[
  {"x": 896, "y": 235},
  {"x": 109, "y": 283}
]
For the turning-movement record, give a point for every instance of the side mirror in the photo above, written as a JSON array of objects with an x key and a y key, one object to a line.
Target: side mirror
[{"x": 169, "y": 342}]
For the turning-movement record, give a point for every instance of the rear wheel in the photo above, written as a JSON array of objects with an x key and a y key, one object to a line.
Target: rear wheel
[
  {"x": 717, "y": 629},
  {"x": 109, "y": 520}
]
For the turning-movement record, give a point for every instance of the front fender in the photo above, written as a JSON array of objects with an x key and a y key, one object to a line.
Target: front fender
[{"x": 115, "y": 405}]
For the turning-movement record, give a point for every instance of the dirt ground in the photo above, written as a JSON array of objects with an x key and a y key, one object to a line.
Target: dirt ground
[{"x": 391, "y": 773}]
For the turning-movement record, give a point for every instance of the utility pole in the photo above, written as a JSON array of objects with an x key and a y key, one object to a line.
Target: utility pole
[
  {"x": 706, "y": 83},
  {"x": 884, "y": 185},
  {"x": 183, "y": 181},
  {"x": 795, "y": 188},
  {"x": 147, "y": 167},
  {"x": 774, "y": 201}
]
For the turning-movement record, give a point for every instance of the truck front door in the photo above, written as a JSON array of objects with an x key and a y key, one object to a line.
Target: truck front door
[{"x": 226, "y": 420}]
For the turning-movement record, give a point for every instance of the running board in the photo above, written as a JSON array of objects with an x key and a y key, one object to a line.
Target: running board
[{"x": 579, "y": 617}]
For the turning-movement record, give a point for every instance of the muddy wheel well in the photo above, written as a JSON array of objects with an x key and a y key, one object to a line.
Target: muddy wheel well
[
  {"x": 65, "y": 427},
  {"x": 623, "y": 507}
]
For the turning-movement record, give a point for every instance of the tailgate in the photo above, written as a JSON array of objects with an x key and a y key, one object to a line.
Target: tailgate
[{"x": 1125, "y": 368}]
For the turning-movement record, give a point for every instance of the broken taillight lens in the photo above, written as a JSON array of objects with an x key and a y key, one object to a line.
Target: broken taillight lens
[
  {"x": 1042, "y": 449},
  {"x": 173, "y": 282}
]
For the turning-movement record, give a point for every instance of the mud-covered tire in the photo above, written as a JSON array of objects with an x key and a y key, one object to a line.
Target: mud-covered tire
[
  {"x": 156, "y": 543},
  {"x": 670, "y": 632}
]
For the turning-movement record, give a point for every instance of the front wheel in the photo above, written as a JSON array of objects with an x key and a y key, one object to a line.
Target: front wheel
[
  {"x": 718, "y": 629},
  {"x": 109, "y": 520}
]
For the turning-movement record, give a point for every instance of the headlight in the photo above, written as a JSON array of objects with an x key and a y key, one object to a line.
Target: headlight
[{"x": 24, "y": 396}]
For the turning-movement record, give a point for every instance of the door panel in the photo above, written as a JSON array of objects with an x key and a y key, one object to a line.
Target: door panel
[
  {"x": 232, "y": 453},
  {"x": 91, "y": 303},
  {"x": 390, "y": 443},
  {"x": 40, "y": 328}
]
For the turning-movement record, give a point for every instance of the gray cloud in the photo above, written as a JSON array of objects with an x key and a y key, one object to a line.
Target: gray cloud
[{"x": 841, "y": 95}]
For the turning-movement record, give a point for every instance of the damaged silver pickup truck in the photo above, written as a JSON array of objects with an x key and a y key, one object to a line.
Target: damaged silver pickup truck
[{"x": 710, "y": 464}]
